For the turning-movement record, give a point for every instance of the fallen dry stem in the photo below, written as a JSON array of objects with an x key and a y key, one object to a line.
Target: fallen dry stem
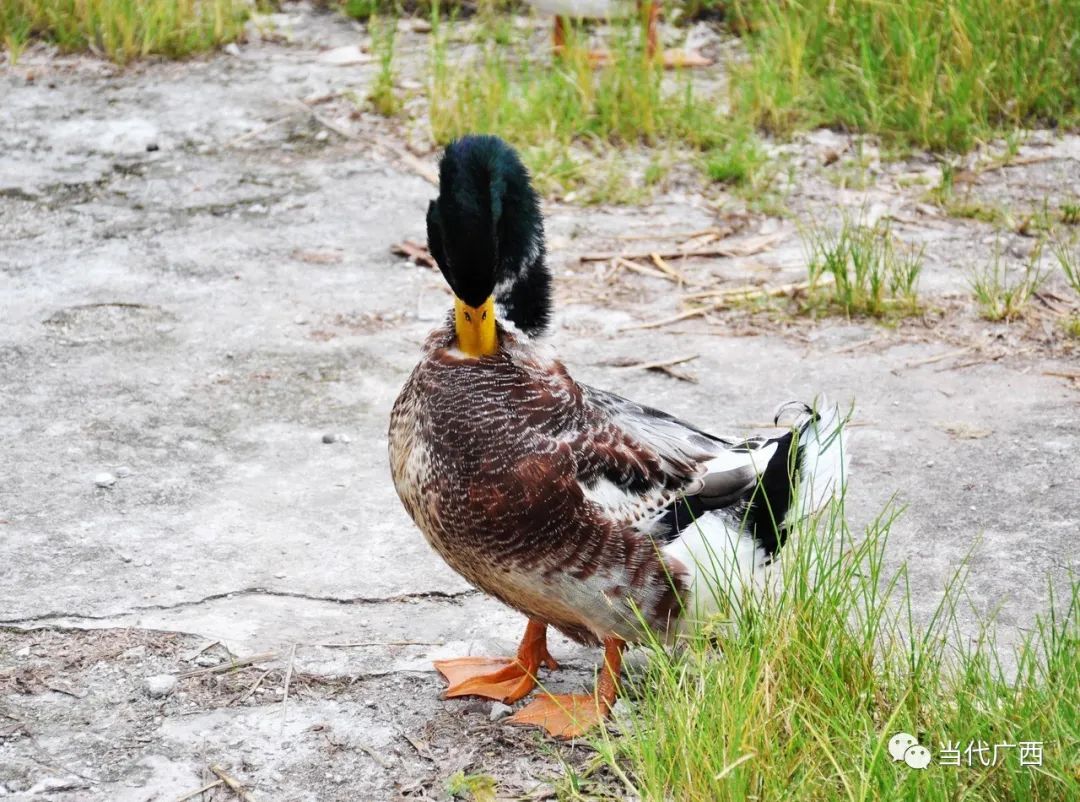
[
  {"x": 200, "y": 791},
  {"x": 938, "y": 357},
  {"x": 251, "y": 689},
  {"x": 641, "y": 269},
  {"x": 233, "y": 784},
  {"x": 663, "y": 363},
  {"x": 667, "y": 269},
  {"x": 288, "y": 679},
  {"x": 218, "y": 669}
]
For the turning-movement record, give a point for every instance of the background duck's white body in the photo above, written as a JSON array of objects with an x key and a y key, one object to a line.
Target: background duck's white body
[{"x": 585, "y": 9}]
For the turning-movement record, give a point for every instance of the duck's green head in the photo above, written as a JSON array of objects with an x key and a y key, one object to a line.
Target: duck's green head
[{"x": 486, "y": 232}]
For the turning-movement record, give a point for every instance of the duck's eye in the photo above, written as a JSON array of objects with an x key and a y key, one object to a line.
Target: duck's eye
[
  {"x": 484, "y": 316},
  {"x": 468, "y": 317}
]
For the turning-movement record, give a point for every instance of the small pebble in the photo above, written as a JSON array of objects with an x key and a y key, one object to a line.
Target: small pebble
[
  {"x": 160, "y": 685},
  {"x": 232, "y": 49},
  {"x": 151, "y": 147},
  {"x": 206, "y": 661},
  {"x": 499, "y": 711},
  {"x": 104, "y": 480},
  {"x": 334, "y": 437},
  {"x": 123, "y": 471},
  {"x": 23, "y": 652},
  {"x": 279, "y": 575}
]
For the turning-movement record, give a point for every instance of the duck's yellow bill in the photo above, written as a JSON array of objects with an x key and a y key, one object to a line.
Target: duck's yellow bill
[{"x": 475, "y": 327}]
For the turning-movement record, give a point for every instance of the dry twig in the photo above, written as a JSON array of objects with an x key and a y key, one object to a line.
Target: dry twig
[
  {"x": 665, "y": 366},
  {"x": 201, "y": 791},
  {"x": 218, "y": 669},
  {"x": 667, "y": 269},
  {"x": 233, "y": 784},
  {"x": 285, "y": 695},
  {"x": 938, "y": 357},
  {"x": 243, "y": 695}
]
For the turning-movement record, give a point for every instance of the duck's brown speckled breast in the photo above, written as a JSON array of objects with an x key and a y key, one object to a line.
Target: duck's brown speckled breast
[{"x": 486, "y": 456}]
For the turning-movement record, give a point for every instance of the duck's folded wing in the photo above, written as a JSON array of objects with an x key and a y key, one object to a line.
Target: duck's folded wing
[{"x": 642, "y": 465}]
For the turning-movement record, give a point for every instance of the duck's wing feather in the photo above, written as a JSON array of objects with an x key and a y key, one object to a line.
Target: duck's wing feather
[{"x": 644, "y": 467}]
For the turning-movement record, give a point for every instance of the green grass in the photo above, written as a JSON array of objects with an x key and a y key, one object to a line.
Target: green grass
[
  {"x": 862, "y": 270},
  {"x": 564, "y": 114},
  {"x": 383, "y": 36},
  {"x": 475, "y": 787},
  {"x": 123, "y": 30},
  {"x": 926, "y": 73},
  {"x": 1068, "y": 259},
  {"x": 1004, "y": 297},
  {"x": 1069, "y": 262},
  {"x": 795, "y": 695}
]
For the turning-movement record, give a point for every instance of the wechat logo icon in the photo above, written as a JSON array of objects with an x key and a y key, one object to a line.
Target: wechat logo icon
[{"x": 905, "y": 747}]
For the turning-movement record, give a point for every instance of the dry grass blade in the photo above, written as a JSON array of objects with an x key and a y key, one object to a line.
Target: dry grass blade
[
  {"x": 743, "y": 247},
  {"x": 243, "y": 695},
  {"x": 285, "y": 694},
  {"x": 667, "y": 269},
  {"x": 938, "y": 357},
  {"x": 655, "y": 324},
  {"x": 218, "y": 669},
  {"x": 233, "y": 784},
  {"x": 367, "y": 750},
  {"x": 665, "y": 366},
  {"x": 663, "y": 363},
  {"x": 200, "y": 791},
  {"x": 750, "y": 292},
  {"x": 262, "y": 129},
  {"x": 634, "y": 267},
  {"x": 422, "y": 169}
]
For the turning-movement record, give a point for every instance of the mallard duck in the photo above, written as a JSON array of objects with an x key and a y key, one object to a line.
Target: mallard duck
[
  {"x": 649, "y": 10},
  {"x": 585, "y": 511}
]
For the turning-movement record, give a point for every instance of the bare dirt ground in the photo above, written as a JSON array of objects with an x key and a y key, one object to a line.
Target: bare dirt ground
[{"x": 196, "y": 285}]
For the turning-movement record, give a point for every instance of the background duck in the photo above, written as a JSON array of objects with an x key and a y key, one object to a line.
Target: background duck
[
  {"x": 648, "y": 10},
  {"x": 587, "y": 512}
]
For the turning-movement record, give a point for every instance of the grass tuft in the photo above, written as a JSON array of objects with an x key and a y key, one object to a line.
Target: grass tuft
[
  {"x": 383, "y": 38},
  {"x": 563, "y": 113},
  {"x": 475, "y": 787},
  {"x": 1069, "y": 262},
  {"x": 1003, "y": 298},
  {"x": 860, "y": 271},
  {"x": 796, "y": 694},
  {"x": 938, "y": 74},
  {"x": 123, "y": 30}
]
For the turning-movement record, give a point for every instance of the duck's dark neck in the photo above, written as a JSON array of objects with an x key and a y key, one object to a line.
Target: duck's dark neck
[{"x": 524, "y": 294}]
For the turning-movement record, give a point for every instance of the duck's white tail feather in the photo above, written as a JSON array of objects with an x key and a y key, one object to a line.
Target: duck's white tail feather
[
  {"x": 823, "y": 465},
  {"x": 726, "y": 552}
]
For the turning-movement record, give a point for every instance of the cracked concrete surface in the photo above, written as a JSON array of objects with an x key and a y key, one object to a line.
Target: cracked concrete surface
[{"x": 170, "y": 317}]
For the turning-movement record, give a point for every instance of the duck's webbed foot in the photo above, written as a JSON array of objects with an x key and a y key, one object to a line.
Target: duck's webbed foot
[
  {"x": 504, "y": 679},
  {"x": 571, "y": 715}
]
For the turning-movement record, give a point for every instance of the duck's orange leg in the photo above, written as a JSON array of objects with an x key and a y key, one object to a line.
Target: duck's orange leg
[
  {"x": 672, "y": 59},
  {"x": 499, "y": 677},
  {"x": 571, "y": 715}
]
